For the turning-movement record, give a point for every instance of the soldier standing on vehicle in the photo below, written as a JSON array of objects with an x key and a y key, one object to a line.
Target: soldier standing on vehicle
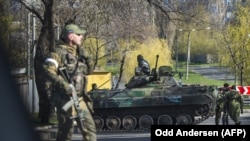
[
  {"x": 220, "y": 106},
  {"x": 69, "y": 55},
  {"x": 235, "y": 105}
]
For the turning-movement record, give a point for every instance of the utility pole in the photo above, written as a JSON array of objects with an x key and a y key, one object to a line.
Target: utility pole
[
  {"x": 188, "y": 48},
  {"x": 28, "y": 59},
  {"x": 33, "y": 56},
  {"x": 188, "y": 54},
  {"x": 176, "y": 56}
]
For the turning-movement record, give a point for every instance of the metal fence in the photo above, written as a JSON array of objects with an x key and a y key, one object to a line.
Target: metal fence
[{"x": 28, "y": 92}]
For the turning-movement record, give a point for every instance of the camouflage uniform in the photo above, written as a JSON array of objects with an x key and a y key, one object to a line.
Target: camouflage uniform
[
  {"x": 220, "y": 106},
  {"x": 235, "y": 105},
  {"x": 67, "y": 56}
]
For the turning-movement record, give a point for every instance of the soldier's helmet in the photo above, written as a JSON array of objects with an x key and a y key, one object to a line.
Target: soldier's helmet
[
  {"x": 226, "y": 84},
  {"x": 139, "y": 57}
]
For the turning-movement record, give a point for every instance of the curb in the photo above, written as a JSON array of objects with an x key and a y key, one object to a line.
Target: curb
[
  {"x": 45, "y": 127},
  {"x": 246, "y": 110},
  {"x": 47, "y": 132}
]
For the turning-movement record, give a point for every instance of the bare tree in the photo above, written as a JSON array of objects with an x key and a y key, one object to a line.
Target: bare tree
[{"x": 44, "y": 12}]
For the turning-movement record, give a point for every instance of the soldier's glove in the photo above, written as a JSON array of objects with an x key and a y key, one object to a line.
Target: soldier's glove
[{"x": 66, "y": 87}]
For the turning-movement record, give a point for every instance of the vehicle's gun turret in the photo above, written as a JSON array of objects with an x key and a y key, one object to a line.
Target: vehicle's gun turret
[
  {"x": 154, "y": 70},
  {"x": 166, "y": 76}
]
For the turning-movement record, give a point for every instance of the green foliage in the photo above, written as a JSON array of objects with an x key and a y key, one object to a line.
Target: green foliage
[
  {"x": 95, "y": 48},
  {"x": 15, "y": 52},
  {"x": 235, "y": 47},
  {"x": 113, "y": 68},
  {"x": 194, "y": 78},
  {"x": 201, "y": 42},
  {"x": 5, "y": 22}
]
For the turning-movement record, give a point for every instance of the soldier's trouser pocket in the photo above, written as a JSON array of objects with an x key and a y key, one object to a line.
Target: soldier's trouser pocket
[{"x": 88, "y": 127}]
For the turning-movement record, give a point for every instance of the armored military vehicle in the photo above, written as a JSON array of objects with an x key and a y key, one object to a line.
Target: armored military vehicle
[{"x": 154, "y": 99}]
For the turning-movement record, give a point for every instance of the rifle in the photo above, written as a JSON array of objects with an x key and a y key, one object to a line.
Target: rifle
[{"x": 74, "y": 98}]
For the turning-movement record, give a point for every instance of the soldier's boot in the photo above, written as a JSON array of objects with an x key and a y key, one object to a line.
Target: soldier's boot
[
  {"x": 217, "y": 121},
  {"x": 224, "y": 123},
  {"x": 238, "y": 123},
  {"x": 226, "y": 120}
]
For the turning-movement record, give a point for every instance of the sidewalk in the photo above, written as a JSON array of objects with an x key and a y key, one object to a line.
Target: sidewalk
[{"x": 246, "y": 110}]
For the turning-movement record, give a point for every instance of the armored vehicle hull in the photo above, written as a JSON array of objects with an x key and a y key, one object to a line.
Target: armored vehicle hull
[{"x": 154, "y": 103}]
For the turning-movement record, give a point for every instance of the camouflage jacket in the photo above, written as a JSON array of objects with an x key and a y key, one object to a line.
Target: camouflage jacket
[
  {"x": 67, "y": 56},
  {"x": 234, "y": 96},
  {"x": 221, "y": 99}
]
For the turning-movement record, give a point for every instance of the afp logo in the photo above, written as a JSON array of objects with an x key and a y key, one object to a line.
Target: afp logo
[{"x": 233, "y": 133}]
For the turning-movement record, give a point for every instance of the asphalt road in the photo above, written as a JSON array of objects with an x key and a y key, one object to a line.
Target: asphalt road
[{"x": 214, "y": 72}]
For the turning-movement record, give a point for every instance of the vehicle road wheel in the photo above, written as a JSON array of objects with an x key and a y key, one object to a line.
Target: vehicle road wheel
[
  {"x": 129, "y": 122},
  {"x": 113, "y": 122},
  {"x": 99, "y": 122},
  {"x": 146, "y": 121},
  {"x": 184, "y": 119},
  {"x": 165, "y": 120}
]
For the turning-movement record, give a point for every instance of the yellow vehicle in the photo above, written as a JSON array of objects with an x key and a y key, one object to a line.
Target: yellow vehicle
[{"x": 103, "y": 80}]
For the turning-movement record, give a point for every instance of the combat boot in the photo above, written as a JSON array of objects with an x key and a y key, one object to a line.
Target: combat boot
[
  {"x": 238, "y": 123},
  {"x": 216, "y": 123},
  {"x": 224, "y": 121}
]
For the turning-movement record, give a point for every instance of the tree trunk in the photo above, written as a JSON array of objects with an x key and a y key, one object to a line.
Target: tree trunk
[
  {"x": 121, "y": 71},
  {"x": 45, "y": 43}
]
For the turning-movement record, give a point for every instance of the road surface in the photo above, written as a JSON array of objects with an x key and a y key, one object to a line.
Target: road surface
[{"x": 214, "y": 72}]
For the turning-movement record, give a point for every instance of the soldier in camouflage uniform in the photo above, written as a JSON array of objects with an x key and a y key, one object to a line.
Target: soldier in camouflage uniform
[
  {"x": 68, "y": 54},
  {"x": 143, "y": 66},
  {"x": 220, "y": 106},
  {"x": 235, "y": 105},
  {"x": 226, "y": 90}
]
